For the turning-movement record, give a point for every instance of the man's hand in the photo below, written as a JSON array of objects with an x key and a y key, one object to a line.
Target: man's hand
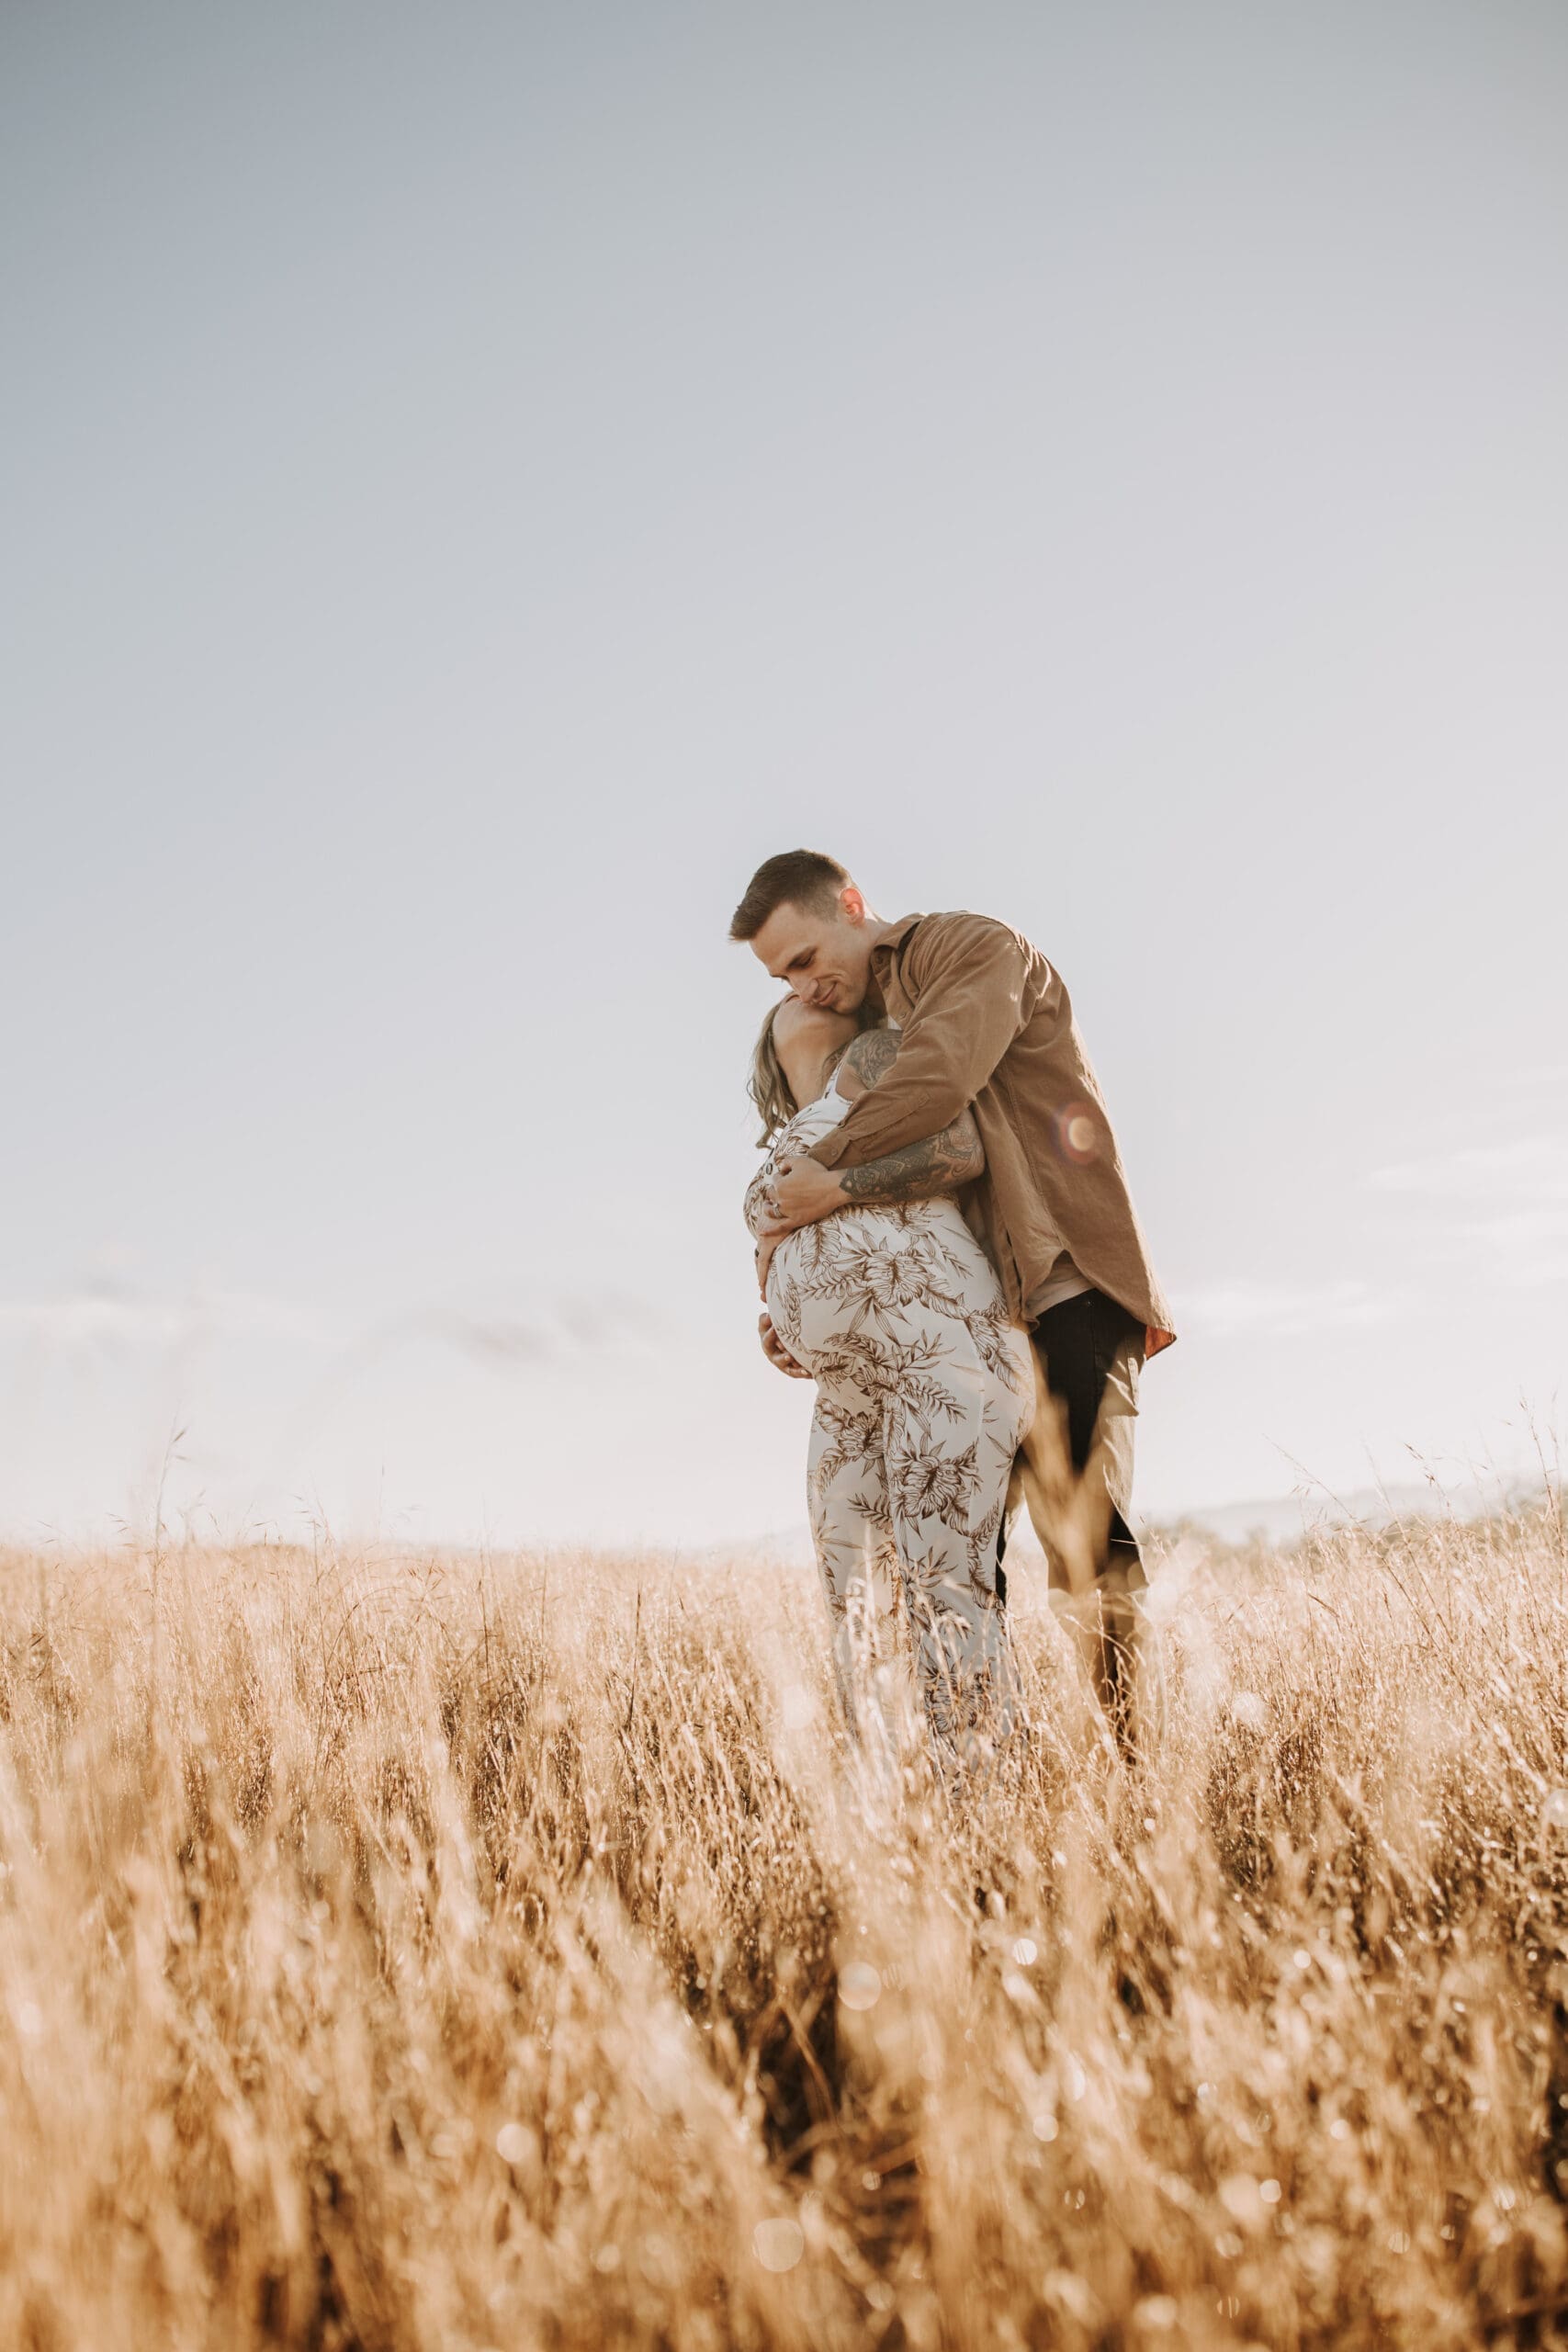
[
  {"x": 778, "y": 1355},
  {"x": 804, "y": 1191}
]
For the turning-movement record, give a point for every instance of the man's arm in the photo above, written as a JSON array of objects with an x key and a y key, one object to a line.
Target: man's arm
[
  {"x": 804, "y": 1191},
  {"x": 938, "y": 1164},
  {"x": 969, "y": 975}
]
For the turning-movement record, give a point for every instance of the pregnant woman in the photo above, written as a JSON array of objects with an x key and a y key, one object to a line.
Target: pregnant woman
[{"x": 924, "y": 1389}]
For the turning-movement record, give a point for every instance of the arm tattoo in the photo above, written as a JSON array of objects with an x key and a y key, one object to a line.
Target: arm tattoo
[
  {"x": 936, "y": 1164},
  {"x": 872, "y": 1054}
]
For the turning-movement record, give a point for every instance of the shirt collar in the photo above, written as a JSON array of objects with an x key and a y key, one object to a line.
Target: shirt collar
[{"x": 896, "y": 934}]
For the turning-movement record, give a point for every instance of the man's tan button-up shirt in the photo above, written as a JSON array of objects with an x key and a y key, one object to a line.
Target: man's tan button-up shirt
[{"x": 986, "y": 1025}]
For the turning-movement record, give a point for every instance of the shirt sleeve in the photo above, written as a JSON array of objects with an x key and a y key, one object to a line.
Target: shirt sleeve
[{"x": 967, "y": 977}]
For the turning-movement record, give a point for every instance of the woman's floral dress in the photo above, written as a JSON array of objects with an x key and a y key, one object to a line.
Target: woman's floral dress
[{"x": 924, "y": 1390}]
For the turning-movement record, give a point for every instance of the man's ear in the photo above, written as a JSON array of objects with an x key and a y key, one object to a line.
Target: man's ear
[{"x": 852, "y": 903}]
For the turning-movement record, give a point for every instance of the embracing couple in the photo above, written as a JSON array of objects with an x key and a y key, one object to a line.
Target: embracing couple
[{"x": 947, "y": 1246}]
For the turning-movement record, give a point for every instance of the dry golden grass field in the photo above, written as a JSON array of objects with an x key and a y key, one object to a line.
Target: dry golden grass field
[{"x": 410, "y": 1952}]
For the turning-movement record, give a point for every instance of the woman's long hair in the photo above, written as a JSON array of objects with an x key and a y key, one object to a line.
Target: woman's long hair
[{"x": 768, "y": 1086}]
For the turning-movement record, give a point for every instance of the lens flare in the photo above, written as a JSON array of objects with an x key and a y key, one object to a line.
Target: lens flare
[
  {"x": 1078, "y": 1138},
  {"x": 858, "y": 1985},
  {"x": 778, "y": 2245}
]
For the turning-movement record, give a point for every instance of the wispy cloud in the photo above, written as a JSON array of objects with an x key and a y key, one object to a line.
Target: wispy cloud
[
  {"x": 1504, "y": 1205},
  {"x": 116, "y": 1315},
  {"x": 1533, "y": 1169},
  {"x": 570, "y": 1330},
  {"x": 1228, "y": 1310},
  {"x": 115, "y": 1318}
]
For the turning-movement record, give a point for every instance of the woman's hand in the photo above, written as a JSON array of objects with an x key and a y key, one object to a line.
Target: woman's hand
[{"x": 778, "y": 1355}]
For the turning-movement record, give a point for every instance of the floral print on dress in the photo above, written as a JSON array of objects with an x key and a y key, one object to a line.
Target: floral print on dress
[{"x": 924, "y": 1391}]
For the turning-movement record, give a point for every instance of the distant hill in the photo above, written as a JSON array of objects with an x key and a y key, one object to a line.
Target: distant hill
[
  {"x": 1284, "y": 1518},
  {"x": 1272, "y": 1518}
]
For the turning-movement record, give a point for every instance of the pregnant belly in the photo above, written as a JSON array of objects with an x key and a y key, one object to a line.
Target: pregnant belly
[{"x": 876, "y": 1279}]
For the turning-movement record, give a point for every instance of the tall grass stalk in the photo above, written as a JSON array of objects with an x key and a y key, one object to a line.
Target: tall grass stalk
[{"x": 401, "y": 1952}]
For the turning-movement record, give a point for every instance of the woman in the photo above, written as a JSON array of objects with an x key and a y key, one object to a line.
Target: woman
[{"x": 924, "y": 1388}]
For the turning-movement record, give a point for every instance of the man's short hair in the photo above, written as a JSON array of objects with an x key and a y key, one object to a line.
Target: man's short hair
[{"x": 796, "y": 878}]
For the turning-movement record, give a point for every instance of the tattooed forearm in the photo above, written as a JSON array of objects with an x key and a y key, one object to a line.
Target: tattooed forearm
[{"x": 937, "y": 1163}]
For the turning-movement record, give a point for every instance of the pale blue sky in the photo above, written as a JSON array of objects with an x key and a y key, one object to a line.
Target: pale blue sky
[{"x": 479, "y": 478}]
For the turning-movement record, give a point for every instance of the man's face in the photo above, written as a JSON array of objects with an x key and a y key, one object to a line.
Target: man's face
[{"x": 824, "y": 958}]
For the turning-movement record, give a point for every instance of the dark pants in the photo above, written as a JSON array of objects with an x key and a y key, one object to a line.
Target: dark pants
[{"x": 1077, "y": 1343}]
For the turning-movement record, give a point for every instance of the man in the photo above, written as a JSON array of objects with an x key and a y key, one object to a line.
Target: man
[{"x": 985, "y": 1023}]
